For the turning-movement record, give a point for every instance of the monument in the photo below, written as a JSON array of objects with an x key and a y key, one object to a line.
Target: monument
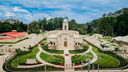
[{"x": 64, "y": 39}]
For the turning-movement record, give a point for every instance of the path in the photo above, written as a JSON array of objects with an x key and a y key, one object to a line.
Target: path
[
  {"x": 68, "y": 62},
  {"x": 44, "y": 62},
  {"x": 92, "y": 61},
  {"x": 2, "y": 60}
]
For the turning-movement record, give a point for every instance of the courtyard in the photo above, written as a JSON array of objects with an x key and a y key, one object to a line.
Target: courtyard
[{"x": 64, "y": 50}]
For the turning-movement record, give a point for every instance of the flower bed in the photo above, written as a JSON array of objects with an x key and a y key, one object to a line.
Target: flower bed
[{"x": 29, "y": 64}]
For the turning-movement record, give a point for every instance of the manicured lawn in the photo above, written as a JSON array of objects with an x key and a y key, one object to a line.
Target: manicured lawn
[
  {"x": 51, "y": 58},
  {"x": 107, "y": 39},
  {"x": 44, "y": 40},
  {"x": 42, "y": 32},
  {"x": 106, "y": 60},
  {"x": 24, "y": 58},
  {"x": 6, "y": 43},
  {"x": 79, "y": 58},
  {"x": 45, "y": 47},
  {"x": 85, "y": 48}
]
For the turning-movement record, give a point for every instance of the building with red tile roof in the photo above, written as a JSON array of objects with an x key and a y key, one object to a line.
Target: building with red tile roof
[{"x": 11, "y": 35}]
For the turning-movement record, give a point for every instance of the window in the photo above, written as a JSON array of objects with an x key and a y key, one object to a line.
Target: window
[
  {"x": 65, "y": 27},
  {"x": 65, "y": 43}
]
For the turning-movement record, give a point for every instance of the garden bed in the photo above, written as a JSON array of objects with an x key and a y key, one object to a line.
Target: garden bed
[
  {"x": 23, "y": 56},
  {"x": 77, "y": 59},
  {"x": 45, "y": 47},
  {"x": 85, "y": 48},
  {"x": 51, "y": 58}
]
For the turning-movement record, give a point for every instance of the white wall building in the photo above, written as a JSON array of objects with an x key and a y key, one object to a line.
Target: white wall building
[{"x": 65, "y": 38}]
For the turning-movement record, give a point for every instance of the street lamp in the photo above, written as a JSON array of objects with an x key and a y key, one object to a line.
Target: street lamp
[
  {"x": 82, "y": 66},
  {"x": 98, "y": 62},
  {"x": 88, "y": 60},
  {"x": 45, "y": 68},
  {"x": 92, "y": 67}
]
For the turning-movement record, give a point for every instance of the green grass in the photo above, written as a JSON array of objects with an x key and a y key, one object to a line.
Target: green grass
[
  {"x": 59, "y": 56},
  {"x": 107, "y": 39},
  {"x": 79, "y": 58},
  {"x": 43, "y": 41},
  {"x": 6, "y": 43},
  {"x": 24, "y": 58},
  {"x": 9, "y": 45},
  {"x": 85, "y": 48},
  {"x": 42, "y": 32},
  {"x": 45, "y": 47},
  {"x": 106, "y": 60},
  {"x": 51, "y": 58}
]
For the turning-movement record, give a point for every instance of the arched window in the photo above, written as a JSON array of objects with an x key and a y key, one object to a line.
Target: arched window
[
  {"x": 65, "y": 27},
  {"x": 75, "y": 43}
]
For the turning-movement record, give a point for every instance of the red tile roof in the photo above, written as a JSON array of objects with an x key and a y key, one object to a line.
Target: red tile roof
[
  {"x": 14, "y": 34},
  {"x": 6, "y": 38}
]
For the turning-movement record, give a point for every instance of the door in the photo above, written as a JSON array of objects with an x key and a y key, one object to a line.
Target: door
[{"x": 65, "y": 43}]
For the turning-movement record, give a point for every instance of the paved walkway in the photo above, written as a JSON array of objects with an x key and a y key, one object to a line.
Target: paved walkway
[
  {"x": 44, "y": 62},
  {"x": 97, "y": 43},
  {"x": 95, "y": 57},
  {"x": 68, "y": 62},
  {"x": 28, "y": 42},
  {"x": 2, "y": 60},
  {"x": 95, "y": 71}
]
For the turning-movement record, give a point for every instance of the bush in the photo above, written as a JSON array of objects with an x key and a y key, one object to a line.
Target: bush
[
  {"x": 85, "y": 48},
  {"x": 45, "y": 47}
]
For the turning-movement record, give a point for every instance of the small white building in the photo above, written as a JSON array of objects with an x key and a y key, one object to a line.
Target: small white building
[
  {"x": 124, "y": 49},
  {"x": 64, "y": 39},
  {"x": 97, "y": 36},
  {"x": 123, "y": 40}
]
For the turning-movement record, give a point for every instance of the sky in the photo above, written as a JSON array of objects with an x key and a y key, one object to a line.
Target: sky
[{"x": 81, "y": 10}]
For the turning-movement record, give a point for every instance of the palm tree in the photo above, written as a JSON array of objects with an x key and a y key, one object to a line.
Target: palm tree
[{"x": 116, "y": 49}]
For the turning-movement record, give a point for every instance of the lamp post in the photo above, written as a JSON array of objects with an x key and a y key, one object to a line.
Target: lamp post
[
  {"x": 92, "y": 67},
  {"x": 88, "y": 60},
  {"x": 98, "y": 64},
  {"x": 82, "y": 66},
  {"x": 45, "y": 68}
]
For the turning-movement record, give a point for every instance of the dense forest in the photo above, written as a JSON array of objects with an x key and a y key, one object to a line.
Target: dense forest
[
  {"x": 54, "y": 24},
  {"x": 7, "y": 26},
  {"x": 111, "y": 24}
]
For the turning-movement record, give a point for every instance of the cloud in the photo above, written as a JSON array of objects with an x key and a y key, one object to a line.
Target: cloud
[
  {"x": 80, "y": 10},
  {"x": 101, "y": 1},
  {"x": 0, "y": 13},
  {"x": 8, "y": 14},
  {"x": 20, "y": 10}
]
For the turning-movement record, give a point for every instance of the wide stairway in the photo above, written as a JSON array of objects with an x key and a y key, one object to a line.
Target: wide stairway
[{"x": 68, "y": 62}]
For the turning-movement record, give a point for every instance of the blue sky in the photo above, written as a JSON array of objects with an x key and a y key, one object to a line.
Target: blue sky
[{"x": 81, "y": 10}]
